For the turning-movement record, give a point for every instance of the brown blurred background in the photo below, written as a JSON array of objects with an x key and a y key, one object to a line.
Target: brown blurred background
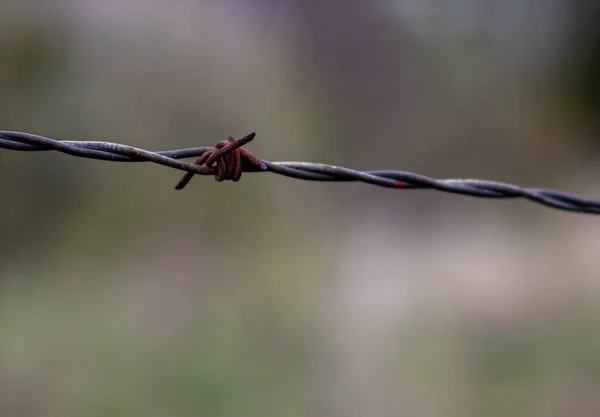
[{"x": 273, "y": 297}]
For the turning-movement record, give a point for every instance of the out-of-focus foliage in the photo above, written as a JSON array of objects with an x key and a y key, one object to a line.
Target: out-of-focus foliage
[
  {"x": 580, "y": 69},
  {"x": 120, "y": 296}
]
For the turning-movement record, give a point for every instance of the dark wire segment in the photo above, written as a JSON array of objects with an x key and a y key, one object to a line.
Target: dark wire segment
[{"x": 229, "y": 159}]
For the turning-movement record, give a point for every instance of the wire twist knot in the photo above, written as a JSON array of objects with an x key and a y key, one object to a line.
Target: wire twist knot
[{"x": 227, "y": 159}]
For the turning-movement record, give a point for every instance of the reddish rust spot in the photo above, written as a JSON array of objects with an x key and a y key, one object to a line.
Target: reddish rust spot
[{"x": 399, "y": 184}]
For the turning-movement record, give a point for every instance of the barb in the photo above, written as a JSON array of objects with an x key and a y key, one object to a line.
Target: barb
[
  {"x": 229, "y": 156},
  {"x": 227, "y": 160}
]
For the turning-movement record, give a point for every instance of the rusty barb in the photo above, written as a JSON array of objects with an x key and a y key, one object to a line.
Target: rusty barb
[
  {"x": 230, "y": 158},
  {"x": 227, "y": 160}
]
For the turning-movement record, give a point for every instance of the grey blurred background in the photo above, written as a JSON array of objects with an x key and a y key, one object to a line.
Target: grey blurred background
[{"x": 273, "y": 297}]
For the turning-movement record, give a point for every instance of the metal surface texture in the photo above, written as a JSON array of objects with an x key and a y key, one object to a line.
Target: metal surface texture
[{"x": 227, "y": 160}]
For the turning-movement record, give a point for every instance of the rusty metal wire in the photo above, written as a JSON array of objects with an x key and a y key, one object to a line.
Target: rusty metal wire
[{"x": 227, "y": 160}]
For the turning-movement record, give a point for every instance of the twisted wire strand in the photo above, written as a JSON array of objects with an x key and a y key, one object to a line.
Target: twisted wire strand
[{"x": 222, "y": 156}]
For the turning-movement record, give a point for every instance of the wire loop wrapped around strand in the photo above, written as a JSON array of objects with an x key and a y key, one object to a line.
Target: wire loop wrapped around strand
[
  {"x": 227, "y": 160},
  {"x": 229, "y": 157}
]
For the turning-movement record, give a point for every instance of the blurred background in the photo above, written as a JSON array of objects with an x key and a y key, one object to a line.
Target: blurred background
[{"x": 274, "y": 297}]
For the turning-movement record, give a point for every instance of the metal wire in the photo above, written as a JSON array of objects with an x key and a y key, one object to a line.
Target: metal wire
[{"x": 227, "y": 160}]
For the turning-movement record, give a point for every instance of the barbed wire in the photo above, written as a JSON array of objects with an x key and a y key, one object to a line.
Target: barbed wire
[{"x": 227, "y": 160}]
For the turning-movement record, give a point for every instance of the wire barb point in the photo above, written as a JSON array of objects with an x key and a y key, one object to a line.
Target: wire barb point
[{"x": 229, "y": 157}]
